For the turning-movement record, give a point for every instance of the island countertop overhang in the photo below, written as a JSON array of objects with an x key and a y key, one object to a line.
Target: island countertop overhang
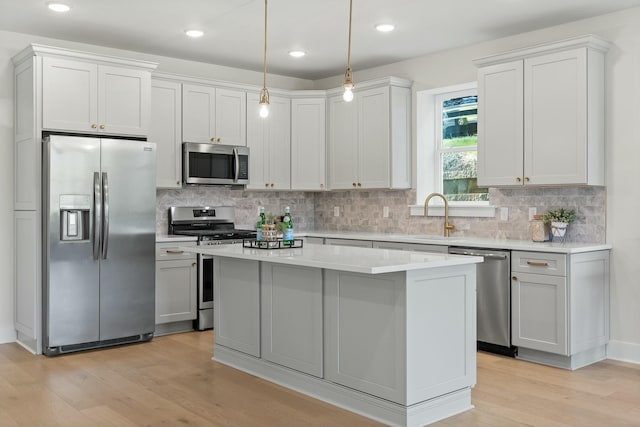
[{"x": 341, "y": 258}]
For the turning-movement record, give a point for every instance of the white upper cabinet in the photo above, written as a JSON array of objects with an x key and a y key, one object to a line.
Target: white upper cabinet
[
  {"x": 166, "y": 132},
  {"x": 308, "y": 144},
  {"x": 541, "y": 115},
  {"x": 88, "y": 97},
  {"x": 269, "y": 142},
  {"x": 370, "y": 137},
  {"x": 213, "y": 115}
]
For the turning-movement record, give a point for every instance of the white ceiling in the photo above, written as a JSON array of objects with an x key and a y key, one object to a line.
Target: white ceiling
[{"x": 234, "y": 28}]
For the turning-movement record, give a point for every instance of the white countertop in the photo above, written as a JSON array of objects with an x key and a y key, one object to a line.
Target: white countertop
[
  {"x": 473, "y": 242},
  {"x": 172, "y": 238},
  {"x": 342, "y": 258}
]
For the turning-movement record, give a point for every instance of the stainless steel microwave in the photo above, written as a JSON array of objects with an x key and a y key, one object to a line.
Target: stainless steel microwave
[{"x": 211, "y": 164}]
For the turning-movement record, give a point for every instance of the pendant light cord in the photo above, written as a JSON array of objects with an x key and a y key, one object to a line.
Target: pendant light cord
[
  {"x": 264, "y": 78},
  {"x": 349, "y": 48}
]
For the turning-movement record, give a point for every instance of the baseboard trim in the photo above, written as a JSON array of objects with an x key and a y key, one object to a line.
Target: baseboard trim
[{"x": 623, "y": 351}]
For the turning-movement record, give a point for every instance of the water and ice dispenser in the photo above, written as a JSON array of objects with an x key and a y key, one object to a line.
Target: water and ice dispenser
[{"x": 74, "y": 217}]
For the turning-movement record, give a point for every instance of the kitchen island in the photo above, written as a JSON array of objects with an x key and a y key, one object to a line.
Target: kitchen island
[{"x": 387, "y": 334}]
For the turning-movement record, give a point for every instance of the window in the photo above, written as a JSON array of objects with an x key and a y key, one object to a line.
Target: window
[
  {"x": 456, "y": 147},
  {"x": 446, "y": 151}
]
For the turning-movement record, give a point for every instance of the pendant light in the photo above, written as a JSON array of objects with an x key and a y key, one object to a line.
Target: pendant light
[
  {"x": 264, "y": 93},
  {"x": 348, "y": 78}
]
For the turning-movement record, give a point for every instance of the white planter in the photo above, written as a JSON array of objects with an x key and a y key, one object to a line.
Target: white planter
[{"x": 559, "y": 229}]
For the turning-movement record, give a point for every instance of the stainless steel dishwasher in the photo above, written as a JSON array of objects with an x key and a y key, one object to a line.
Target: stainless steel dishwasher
[{"x": 493, "y": 278}]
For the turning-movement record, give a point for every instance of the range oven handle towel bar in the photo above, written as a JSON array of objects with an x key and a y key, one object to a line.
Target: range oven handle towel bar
[
  {"x": 97, "y": 214},
  {"x": 486, "y": 256},
  {"x": 105, "y": 222}
]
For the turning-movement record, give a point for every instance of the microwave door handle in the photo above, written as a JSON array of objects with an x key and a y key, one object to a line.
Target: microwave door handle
[
  {"x": 97, "y": 214},
  {"x": 236, "y": 165}
]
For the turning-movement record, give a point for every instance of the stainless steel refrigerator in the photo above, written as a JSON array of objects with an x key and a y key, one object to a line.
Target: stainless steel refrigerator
[{"x": 99, "y": 202}]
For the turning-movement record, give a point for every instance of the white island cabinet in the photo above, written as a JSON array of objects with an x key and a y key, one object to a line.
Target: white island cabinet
[{"x": 388, "y": 334}]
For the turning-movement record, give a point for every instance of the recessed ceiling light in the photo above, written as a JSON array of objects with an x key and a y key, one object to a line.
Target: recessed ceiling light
[
  {"x": 385, "y": 28},
  {"x": 59, "y": 7},
  {"x": 194, "y": 33},
  {"x": 297, "y": 53}
]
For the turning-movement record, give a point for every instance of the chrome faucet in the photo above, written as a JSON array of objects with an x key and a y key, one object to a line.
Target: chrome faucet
[{"x": 447, "y": 226}]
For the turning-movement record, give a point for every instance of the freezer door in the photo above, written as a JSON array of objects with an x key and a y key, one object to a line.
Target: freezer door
[
  {"x": 71, "y": 272},
  {"x": 127, "y": 253}
]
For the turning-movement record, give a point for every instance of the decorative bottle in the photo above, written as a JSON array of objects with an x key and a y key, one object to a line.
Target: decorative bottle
[
  {"x": 287, "y": 227},
  {"x": 261, "y": 222}
]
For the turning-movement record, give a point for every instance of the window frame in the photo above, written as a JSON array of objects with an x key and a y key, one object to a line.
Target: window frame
[{"x": 428, "y": 136}]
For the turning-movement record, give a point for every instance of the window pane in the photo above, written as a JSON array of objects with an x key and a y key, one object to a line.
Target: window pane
[
  {"x": 460, "y": 121},
  {"x": 459, "y": 177}
]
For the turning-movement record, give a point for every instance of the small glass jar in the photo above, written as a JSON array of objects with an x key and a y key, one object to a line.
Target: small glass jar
[{"x": 539, "y": 230}]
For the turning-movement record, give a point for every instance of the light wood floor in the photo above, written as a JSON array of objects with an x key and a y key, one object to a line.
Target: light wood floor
[{"x": 172, "y": 381}]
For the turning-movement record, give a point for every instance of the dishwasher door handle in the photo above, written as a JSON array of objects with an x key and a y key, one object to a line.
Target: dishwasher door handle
[{"x": 486, "y": 256}]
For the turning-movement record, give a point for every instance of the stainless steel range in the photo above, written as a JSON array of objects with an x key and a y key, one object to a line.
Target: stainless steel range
[{"x": 212, "y": 226}]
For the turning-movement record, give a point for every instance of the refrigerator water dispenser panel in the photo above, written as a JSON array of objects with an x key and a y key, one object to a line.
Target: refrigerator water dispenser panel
[{"x": 74, "y": 217}]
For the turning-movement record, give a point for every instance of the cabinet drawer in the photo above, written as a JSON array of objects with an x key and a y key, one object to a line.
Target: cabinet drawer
[
  {"x": 171, "y": 251},
  {"x": 539, "y": 263}
]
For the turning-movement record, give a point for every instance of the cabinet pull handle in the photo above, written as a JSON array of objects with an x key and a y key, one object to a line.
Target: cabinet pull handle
[
  {"x": 538, "y": 263},
  {"x": 218, "y": 139},
  {"x": 174, "y": 251},
  {"x": 272, "y": 185},
  {"x": 266, "y": 184},
  {"x": 526, "y": 179},
  {"x": 359, "y": 185},
  {"x": 101, "y": 126},
  {"x": 354, "y": 184},
  {"x": 321, "y": 185},
  {"x": 514, "y": 278},
  {"x": 212, "y": 140},
  {"x": 518, "y": 179},
  {"x": 178, "y": 182},
  {"x": 94, "y": 126},
  {"x": 193, "y": 264}
]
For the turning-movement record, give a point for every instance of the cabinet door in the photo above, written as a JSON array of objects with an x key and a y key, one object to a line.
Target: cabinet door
[
  {"x": 290, "y": 292},
  {"x": 231, "y": 117},
  {"x": 308, "y": 144},
  {"x": 198, "y": 113},
  {"x": 500, "y": 112},
  {"x": 237, "y": 304},
  {"x": 539, "y": 312},
  {"x": 343, "y": 144},
  {"x": 166, "y": 131},
  {"x": 69, "y": 95},
  {"x": 124, "y": 97},
  {"x": 257, "y": 141},
  {"x": 373, "y": 138},
  {"x": 279, "y": 135},
  {"x": 27, "y": 298},
  {"x": 176, "y": 291},
  {"x": 555, "y": 118}
]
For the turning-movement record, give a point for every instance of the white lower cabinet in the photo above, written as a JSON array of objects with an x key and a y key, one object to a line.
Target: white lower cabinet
[
  {"x": 418, "y": 247},
  {"x": 237, "y": 304},
  {"x": 560, "y": 307},
  {"x": 287, "y": 293},
  {"x": 176, "y": 283}
]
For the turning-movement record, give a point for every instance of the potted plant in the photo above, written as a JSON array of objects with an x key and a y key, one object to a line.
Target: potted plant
[{"x": 559, "y": 220}]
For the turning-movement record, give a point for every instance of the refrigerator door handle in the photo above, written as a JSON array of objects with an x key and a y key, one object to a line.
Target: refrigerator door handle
[
  {"x": 105, "y": 221},
  {"x": 97, "y": 214},
  {"x": 236, "y": 165}
]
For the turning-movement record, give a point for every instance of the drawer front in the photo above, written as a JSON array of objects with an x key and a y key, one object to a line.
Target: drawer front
[
  {"x": 539, "y": 263},
  {"x": 171, "y": 251}
]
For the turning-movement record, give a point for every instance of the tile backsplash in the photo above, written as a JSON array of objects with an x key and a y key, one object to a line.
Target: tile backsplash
[{"x": 362, "y": 210}]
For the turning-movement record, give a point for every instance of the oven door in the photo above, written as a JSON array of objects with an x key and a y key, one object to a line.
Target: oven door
[
  {"x": 215, "y": 164},
  {"x": 205, "y": 282}
]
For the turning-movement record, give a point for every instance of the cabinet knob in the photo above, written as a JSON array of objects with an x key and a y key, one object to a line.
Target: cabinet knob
[
  {"x": 272, "y": 185},
  {"x": 193, "y": 264},
  {"x": 101, "y": 126},
  {"x": 518, "y": 179},
  {"x": 178, "y": 182},
  {"x": 526, "y": 179},
  {"x": 354, "y": 184},
  {"x": 94, "y": 126},
  {"x": 359, "y": 185},
  {"x": 321, "y": 185},
  {"x": 266, "y": 184},
  {"x": 514, "y": 278},
  {"x": 218, "y": 139},
  {"x": 212, "y": 140}
]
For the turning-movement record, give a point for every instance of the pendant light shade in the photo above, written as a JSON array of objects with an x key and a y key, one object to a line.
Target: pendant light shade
[
  {"x": 264, "y": 93},
  {"x": 348, "y": 78}
]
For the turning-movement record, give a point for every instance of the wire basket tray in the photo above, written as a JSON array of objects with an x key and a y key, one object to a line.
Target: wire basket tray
[{"x": 272, "y": 244}]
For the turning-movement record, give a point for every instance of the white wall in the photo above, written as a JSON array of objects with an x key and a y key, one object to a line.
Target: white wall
[{"x": 622, "y": 142}]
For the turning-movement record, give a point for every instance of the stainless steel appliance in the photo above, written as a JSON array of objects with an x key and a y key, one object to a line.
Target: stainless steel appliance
[
  {"x": 99, "y": 201},
  {"x": 212, "y": 226},
  {"x": 493, "y": 278},
  {"x": 214, "y": 164}
]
